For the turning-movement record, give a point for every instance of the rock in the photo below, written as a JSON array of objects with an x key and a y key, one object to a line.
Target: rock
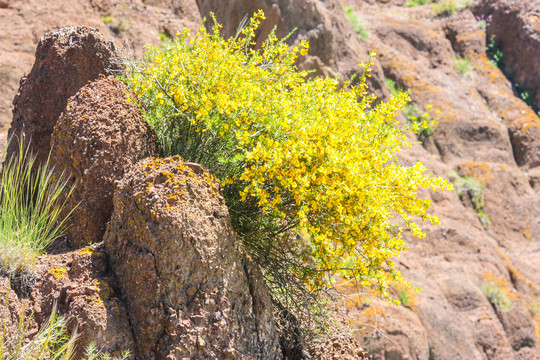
[
  {"x": 534, "y": 178},
  {"x": 100, "y": 135},
  {"x": 4, "y": 4},
  {"x": 516, "y": 29},
  {"x": 517, "y": 323},
  {"x": 81, "y": 284},
  {"x": 12, "y": 308},
  {"x": 337, "y": 348},
  {"x": 65, "y": 61},
  {"x": 420, "y": 58},
  {"x": 510, "y": 203},
  {"x": 173, "y": 249}
]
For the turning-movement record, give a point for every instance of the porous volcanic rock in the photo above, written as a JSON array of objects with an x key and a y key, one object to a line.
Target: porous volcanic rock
[
  {"x": 99, "y": 136},
  {"x": 337, "y": 348},
  {"x": 12, "y": 309},
  {"x": 82, "y": 286},
  {"x": 66, "y": 60},
  {"x": 516, "y": 27},
  {"x": 187, "y": 286}
]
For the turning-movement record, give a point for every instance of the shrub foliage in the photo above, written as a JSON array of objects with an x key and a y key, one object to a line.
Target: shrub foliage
[{"x": 307, "y": 165}]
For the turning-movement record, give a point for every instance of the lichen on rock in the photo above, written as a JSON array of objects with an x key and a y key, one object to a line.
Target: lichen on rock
[{"x": 188, "y": 287}]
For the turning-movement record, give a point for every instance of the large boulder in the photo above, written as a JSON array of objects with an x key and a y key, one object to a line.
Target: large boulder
[
  {"x": 65, "y": 61},
  {"x": 189, "y": 291},
  {"x": 516, "y": 28},
  {"x": 100, "y": 135}
]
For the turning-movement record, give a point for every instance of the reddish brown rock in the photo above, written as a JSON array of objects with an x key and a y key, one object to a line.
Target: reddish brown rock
[
  {"x": 99, "y": 136},
  {"x": 337, "y": 348},
  {"x": 13, "y": 308},
  {"x": 82, "y": 286},
  {"x": 187, "y": 286},
  {"x": 4, "y": 4},
  {"x": 516, "y": 27},
  {"x": 65, "y": 61}
]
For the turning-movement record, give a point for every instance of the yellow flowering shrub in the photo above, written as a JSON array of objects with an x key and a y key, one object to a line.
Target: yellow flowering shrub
[{"x": 307, "y": 165}]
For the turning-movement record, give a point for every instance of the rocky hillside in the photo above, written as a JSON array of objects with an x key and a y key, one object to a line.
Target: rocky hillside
[{"x": 479, "y": 271}]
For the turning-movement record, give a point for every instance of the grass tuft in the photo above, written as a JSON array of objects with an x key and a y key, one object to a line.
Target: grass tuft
[{"x": 30, "y": 213}]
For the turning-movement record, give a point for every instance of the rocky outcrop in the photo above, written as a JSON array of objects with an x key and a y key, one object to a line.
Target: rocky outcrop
[
  {"x": 463, "y": 267},
  {"x": 186, "y": 284},
  {"x": 492, "y": 86},
  {"x": 99, "y": 136},
  {"x": 132, "y": 23},
  {"x": 82, "y": 286},
  {"x": 516, "y": 27},
  {"x": 65, "y": 61}
]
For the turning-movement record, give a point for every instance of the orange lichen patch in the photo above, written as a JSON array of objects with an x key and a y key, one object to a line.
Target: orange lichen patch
[
  {"x": 171, "y": 178},
  {"x": 527, "y": 232},
  {"x": 501, "y": 284},
  {"x": 58, "y": 273},
  {"x": 480, "y": 171},
  {"x": 537, "y": 327}
]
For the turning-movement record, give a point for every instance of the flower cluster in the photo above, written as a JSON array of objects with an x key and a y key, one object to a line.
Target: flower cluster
[
  {"x": 483, "y": 21},
  {"x": 307, "y": 165}
]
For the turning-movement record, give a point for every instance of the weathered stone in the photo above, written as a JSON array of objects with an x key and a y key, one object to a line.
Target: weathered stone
[
  {"x": 83, "y": 288},
  {"x": 66, "y": 60},
  {"x": 100, "y": 135},
  {"x": 516, "y": 28},
  {"x": 172, "y": 247}
]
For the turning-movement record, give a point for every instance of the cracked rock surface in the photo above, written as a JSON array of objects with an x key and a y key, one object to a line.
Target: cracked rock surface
[{"x": 189, "y": 291}]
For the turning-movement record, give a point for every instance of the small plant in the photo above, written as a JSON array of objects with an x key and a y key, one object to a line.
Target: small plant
[
  {"x": 526, "y": 95},
  {"x": 483, "y": 21},
  {"x": 406, "y": 295},
  {"x": 444, "y": 8},
  {"x": 50, "y": 342},
  {"x": 30, "y": 209},
  {"x": 91, "y": 352},
  {"x": 496, "y": 295},
  {"x": 164, "y": 40},
  {"x": 420, "y": 120},
  {"x": 463, "y": 66},
  {"x": 116, "y": 26},
  {"x": 356, "y": 23},
  {"x": 416, "y": 2},
  {"x": 534, "y": 308},
  {"x": 472, "y": 189},
  {"x": 392, "y": 86},
  {"x": 495, "y": 53}
]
